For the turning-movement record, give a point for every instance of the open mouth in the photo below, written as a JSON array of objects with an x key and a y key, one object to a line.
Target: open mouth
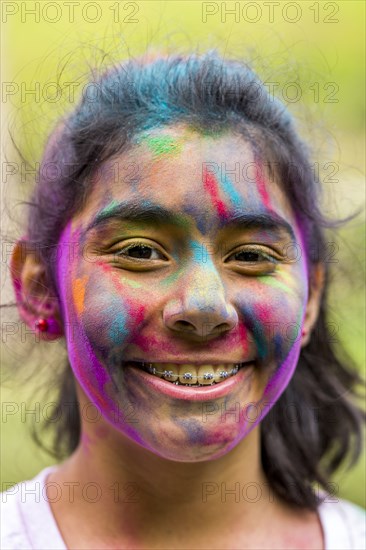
[{"x": 191, "y": 375}]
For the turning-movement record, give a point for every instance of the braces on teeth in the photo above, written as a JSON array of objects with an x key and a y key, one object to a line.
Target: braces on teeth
[{"x": 189, "y": 376}]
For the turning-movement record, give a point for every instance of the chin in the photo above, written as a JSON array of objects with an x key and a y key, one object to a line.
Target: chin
[
  {"x": 207, "y": 447},
  {"x": 187, "y": 455}
]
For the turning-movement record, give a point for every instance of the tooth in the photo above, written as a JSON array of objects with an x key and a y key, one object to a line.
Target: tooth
[
  {"x": 221, "y": 373},
  {"x": 170, "y": 372},
  {"x": 157, "y": 371},
  {"x": 234, "y": 370},
  {"x": 206, "y": 375},
  {"x": 191, "y": 375},
  {"x": 187, "y": 374},
  {"x": 150, "y": 368}
]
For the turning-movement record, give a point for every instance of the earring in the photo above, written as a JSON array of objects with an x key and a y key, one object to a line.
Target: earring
[{"x": 41, "y": 325}]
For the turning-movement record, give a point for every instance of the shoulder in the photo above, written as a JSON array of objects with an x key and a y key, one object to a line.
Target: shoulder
[
  {"x": 13, "y": 533},
  {"x": 26, "y": 517},
  {"x": 343, "y": 523}
]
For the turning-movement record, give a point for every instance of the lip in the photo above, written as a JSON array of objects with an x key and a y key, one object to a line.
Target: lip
[
  {"x": 189, "y": 393},
  {"x": 190, "y": 362}
]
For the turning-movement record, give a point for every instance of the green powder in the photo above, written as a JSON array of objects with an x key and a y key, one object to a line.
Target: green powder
[
  {"x": 161, "y": 145},
  {"x": 276, "y": 284}
]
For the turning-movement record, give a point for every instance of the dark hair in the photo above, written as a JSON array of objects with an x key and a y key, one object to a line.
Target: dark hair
[{"x": 211, "y": 94}]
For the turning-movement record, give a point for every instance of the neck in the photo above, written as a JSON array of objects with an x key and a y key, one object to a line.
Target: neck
[
  {"x": 140, "y": 489},
  {"x": 158, "y": 479}
]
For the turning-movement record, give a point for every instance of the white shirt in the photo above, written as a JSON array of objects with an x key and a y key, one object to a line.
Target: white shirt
[{"x": 27, "y": 521}]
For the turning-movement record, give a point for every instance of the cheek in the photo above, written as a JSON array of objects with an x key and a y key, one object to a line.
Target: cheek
[
  {"x": 273, "y": 310},
  {"x": 105, "y": 314},
  {"x": 273, "y": 313},
  {"x": 113, "y": 314}
]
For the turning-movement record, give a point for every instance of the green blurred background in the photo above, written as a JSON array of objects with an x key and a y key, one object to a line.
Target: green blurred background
[{"x": 320, "y": 46}]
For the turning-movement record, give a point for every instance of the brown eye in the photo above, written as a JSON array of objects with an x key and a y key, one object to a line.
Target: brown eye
[
  {"x": 139, "y": 251},
  {"x": 245, "y": 256},
  {"x": 252, "y": 257}
]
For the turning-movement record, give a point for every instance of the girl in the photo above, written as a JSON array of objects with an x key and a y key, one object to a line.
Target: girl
[{"x": 175, "y": 241}]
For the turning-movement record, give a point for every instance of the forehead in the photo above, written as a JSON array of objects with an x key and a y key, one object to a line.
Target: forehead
[{"x": 202, "y": 174}]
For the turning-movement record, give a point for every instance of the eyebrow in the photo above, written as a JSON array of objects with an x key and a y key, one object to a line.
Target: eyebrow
[
  {"x": 269, "y": 220},
  {"x": 157, "y": 214},
  {"x": 131, "y": 211}
]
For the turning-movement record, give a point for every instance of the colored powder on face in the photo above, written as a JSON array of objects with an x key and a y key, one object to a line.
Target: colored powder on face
[
  {"x": 200, "y": 255},
  {"x": 275, "y": 283},
  {"x": 201, "y": 220},
  {"x": 170, "y": 279},
  {"x": 78, "y": 293},
  {"x": 283, "y": 373},
  {"x": 203, "y": 288},
  {"x": 105, "y": 211},
  {"x": 136, "y": 313},
  {"x": 243, "y": 336},
  {"x": 211, "y": 186},
  {"x": 146, "y": 344},
  {"x": 282, "y": 376},
  {"x": 131, "y": 283},
  {"x": 161, "y": 145},
  {"x": 179, "y": 218},
  {"x": 184, "y": 223},
  {"x": 119, "y": 328},
  {"x": 277, "y": 341},
  {"x": 261, "y": 186},
  {"x": 279, "y": 379},
  {"x": 256, "y": 321},
  {"x": 198, "y": 252},
  {"x": 116, "y": 278},
  {"x": 229, "y": 189},
  {"x": 89, "y": 372},
  {"x": 259, "y": 337},
  {"x": 299, "y": 322},
  {"x": 117, "y": 331},
  {"x": 287, "y": 277},
  {"x": 192, "y": 428},
  {"x": 251, "y": 194}
]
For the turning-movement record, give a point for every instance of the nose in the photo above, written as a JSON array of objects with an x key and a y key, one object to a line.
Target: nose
[{"x": 200, "y": 310}]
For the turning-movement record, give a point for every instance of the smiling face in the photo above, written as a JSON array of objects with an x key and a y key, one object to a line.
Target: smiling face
[{"x": 178, "y": 260}]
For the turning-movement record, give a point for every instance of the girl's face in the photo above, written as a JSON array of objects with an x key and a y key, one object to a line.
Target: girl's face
[{"x": 188, "y": 258}]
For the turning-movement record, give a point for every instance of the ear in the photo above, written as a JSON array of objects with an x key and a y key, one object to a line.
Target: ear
[
  {"x": 317, "y": 279},
  {"x": 33, "y": 292}
]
